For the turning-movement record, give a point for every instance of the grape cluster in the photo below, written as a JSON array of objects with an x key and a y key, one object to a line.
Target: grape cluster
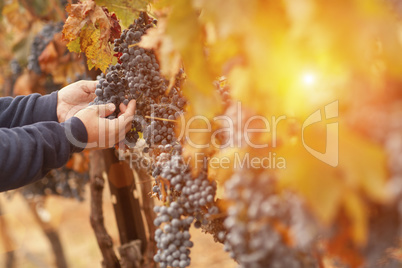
[
  {"x": 132, "y": 136},
  {"x": 41, "y": 40},
  {"x": 63, "y": 182},
  {"x": 174, "y": 176},
  {"x": 162, "y": 131},
  {"x": 173, "y": 239},
  {"x": 196, "y": 193},
  {"x": 186, "y": 199},
  {"x": 251, "y": 237},
  {"x": 137, "y": 76}
]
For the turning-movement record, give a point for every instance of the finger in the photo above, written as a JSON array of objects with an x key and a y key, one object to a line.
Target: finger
[
  {"x": 128, "y": 116},
  {"x": 105, "y": 110},
  {"x": 130, "y": 108},
  {"x": 117, "y": 128},
  {"x": 124, "y": 123},
  {"x": 123, "y": 108},
  {"x": 106, "y": 130}
]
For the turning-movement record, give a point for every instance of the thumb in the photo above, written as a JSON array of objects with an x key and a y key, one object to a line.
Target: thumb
[
  {"x": 91, "y": 85},
  {"x": 104, "y": 110},
  {"x": 88, "y": 86}
]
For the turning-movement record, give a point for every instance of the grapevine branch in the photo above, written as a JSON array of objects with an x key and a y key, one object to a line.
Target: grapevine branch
[
  {"x": 97, "y": 184},
  {"x": 131, "y": 255},
  {"x": 126, "y": 207},
  {"x": 145, "y": 184}
]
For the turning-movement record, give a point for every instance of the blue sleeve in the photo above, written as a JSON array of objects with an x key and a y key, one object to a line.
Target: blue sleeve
[
  {"x": 26, "y": 110},
  {"x": 27, "y": 153}
]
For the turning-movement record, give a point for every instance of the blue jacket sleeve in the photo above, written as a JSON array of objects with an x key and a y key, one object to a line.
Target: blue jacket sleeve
[
  {"x": 27, "y": 153},
  {"x": 26, "y": 110}
]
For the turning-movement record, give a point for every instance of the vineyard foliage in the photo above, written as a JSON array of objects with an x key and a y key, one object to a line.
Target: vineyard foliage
[
  {"x": 282, "y": 61},
  {"x": 89, "y": 29}
]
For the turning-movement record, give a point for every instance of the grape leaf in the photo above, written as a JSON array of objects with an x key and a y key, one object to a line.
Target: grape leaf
[
  {"x": 126, "y": 10},
  {"x": 188, "y": 38},
  {"x": 90, "y": 29}
]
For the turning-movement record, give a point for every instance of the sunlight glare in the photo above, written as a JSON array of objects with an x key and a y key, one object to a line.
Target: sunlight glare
[{"x": 309, "y": 79}]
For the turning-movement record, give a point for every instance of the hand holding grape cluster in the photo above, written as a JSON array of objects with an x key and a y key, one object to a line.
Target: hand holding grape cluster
[{"x": 186, "y": 199}]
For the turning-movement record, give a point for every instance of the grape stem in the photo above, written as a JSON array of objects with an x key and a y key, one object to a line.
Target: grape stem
[{"x": 159, "y": 118}]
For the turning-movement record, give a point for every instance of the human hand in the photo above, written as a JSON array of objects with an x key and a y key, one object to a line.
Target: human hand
[
  {"x": 102, "y": 132},
  {"x": 74, "y": 97}
]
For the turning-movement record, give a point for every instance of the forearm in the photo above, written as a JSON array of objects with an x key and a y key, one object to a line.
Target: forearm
[
  {"x": 29, "y": 152},
  {"x": 26, "y": 110}
]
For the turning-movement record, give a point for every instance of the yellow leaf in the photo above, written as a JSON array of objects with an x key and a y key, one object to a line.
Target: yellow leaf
[
  {"x": 188, "y": 39},
  {"x": 361, "y": 174},
  {"x": 75, "y": 45},
  {"x": 238, "y": 11},
  {"x": 93, "y": 27},
  {"x": 126, "y": 10}
]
